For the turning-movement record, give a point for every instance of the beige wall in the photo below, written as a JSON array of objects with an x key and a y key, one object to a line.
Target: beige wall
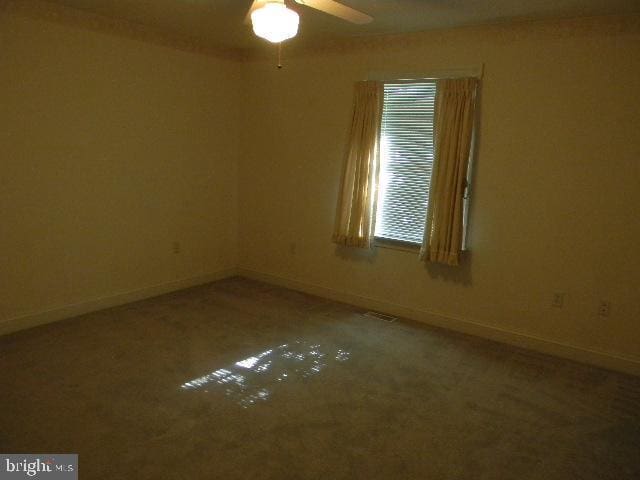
[
  {"x": 111, "y": 150},
  {"x": 557, "y": 180}
]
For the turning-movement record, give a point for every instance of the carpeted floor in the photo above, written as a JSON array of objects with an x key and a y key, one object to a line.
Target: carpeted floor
[{"x": 239, "y": 379}]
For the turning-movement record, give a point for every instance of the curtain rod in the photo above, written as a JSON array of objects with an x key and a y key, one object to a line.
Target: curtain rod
[{"x": 476, "y": 72}]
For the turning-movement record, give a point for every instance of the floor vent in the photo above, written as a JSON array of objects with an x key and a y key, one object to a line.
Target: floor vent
[{"x": 381, "y": 316}]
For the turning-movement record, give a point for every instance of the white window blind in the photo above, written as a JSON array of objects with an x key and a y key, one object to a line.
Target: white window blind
[{"x": 406, "y": 160}]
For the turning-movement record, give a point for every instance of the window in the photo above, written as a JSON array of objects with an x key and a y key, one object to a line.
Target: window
[
  {"x": 393, "y": 127},
  {"x": 406, "y": 160}
]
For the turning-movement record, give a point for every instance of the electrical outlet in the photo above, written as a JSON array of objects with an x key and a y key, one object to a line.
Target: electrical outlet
[
  {"x": 604, "y": 308},
  {"x": 558, "y": 300},
  {"x": 175, "y": 247}
]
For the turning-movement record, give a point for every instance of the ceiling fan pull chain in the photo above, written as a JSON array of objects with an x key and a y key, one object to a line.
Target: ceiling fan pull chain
[{"x": 280, "y": 55}]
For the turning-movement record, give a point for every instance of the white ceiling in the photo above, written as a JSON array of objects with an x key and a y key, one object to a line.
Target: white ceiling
[{"x": 219, "y": 23}]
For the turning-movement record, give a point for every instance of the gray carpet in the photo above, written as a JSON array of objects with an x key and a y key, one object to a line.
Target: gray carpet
[{"x": 239, "y": 379}]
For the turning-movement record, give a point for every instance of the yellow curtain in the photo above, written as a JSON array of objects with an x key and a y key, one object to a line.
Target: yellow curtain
[
  {"x": 454, "y": 119},
  {"x": 356, "y": 201}
]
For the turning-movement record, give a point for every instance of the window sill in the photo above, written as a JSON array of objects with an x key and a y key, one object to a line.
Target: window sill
[{"x": 396, "y": 245}]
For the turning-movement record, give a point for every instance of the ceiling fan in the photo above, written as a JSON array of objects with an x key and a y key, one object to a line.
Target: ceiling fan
[{"x": 275, "y": 22}]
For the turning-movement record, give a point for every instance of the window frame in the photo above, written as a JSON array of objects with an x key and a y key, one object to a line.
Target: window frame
[{"x": 382, "y": 242}]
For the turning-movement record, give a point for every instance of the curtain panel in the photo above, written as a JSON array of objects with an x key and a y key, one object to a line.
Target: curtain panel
[
  {"x": 454, "y": 122},
  {"x": 356, "y": 200}
]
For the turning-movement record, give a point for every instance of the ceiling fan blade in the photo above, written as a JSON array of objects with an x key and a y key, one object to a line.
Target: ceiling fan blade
[
  {"x": 254, "y": 6},
  {"x": 338, "y": 10}
]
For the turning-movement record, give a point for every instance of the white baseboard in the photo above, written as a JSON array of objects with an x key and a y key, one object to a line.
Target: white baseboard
[
  {"x": 601, "y": 359},
  {"x": 67, "y": 311}
]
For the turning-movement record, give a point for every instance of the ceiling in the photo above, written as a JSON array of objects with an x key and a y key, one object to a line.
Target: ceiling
[{"x": 219, "y": 23}]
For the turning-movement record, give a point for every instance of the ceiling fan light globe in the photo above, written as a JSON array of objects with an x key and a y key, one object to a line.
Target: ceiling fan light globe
[{"x": 275, "y": 22}]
